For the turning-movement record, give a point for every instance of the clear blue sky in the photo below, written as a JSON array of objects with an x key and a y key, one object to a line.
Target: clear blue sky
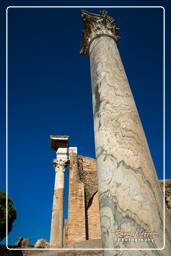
[{"x": 50, "y": 93}]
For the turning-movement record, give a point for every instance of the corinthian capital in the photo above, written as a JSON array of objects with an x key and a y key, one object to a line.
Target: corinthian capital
[
  {"x": 96, "y": 25},
  {"x": 59, "y": 165}
]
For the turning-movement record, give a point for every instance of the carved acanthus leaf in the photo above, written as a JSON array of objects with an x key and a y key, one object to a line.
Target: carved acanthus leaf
[
  {"x": 96, "y": 25},
  {"x": 59, "y": 164}
]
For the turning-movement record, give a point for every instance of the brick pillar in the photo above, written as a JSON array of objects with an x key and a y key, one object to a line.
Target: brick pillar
[
  {"x": 93, "y": 217},
  {"x": 76, "y": 204}
]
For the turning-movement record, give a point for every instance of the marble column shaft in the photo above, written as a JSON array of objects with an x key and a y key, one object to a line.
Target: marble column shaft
[
  {"x": 56, "y": 237},
  {"x": 129, "y": 194}
]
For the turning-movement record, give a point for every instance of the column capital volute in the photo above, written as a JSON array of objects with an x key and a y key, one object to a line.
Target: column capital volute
[
  {"x": 60, "y": 164},
  {"x": 96, "y": 25}
]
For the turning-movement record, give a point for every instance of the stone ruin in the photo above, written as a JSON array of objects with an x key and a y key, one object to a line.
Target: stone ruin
[
  {"x": 83, "y": 221},
  {"x": 82, "y": 228}
]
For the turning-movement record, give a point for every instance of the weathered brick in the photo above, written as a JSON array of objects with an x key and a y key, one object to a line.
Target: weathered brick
[{"x": 83, "y": 206}]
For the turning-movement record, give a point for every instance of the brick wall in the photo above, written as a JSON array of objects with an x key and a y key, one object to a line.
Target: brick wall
[
  {"x": 83, "y": 209},
  {"x": 75, "y": 225},
  {"x": 93, "y": 219},
  {"x": 88, "y": 175}
]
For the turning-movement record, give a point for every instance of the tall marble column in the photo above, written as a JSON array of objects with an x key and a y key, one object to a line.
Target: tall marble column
[
  {"x": 60, "y": 144},
  {"x": 131, "y": 201}
]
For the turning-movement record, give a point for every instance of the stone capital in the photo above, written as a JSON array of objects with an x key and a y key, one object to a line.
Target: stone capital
[
  {"x": 59, "y": 165},
  {"x": 96, "y": 25}
]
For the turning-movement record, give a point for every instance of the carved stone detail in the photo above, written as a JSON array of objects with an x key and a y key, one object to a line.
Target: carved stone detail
[
  {"x": 96, "y": 25},
  {"x": 59, "y": 165}
]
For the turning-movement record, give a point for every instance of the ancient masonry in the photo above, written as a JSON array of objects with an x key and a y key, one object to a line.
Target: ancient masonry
[
  {"x": 83, "y": 208},
  {"x": 82, "y": 228},
  {"x": 129, "y": 194}
]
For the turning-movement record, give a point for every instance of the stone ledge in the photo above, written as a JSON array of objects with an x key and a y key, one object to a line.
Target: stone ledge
[
  {"x": 94, "y": 243},
  {"x": 5, "y": 252}
]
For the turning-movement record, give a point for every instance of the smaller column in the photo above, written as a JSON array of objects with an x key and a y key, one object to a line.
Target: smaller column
[{"x": 60, "y": 144}]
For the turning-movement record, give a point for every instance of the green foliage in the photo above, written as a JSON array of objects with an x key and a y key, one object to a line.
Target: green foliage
[{"x": 11, "y": 215}]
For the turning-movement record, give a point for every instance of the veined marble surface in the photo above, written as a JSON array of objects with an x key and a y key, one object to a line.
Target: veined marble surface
[{"x": 129, "y": 194}]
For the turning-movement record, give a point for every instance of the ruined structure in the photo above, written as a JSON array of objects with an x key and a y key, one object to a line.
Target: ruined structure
[
  {"x": 83, "y": 209},
  {"x": 82, "y": 228},
  {"x": 83, "y": 221}
]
